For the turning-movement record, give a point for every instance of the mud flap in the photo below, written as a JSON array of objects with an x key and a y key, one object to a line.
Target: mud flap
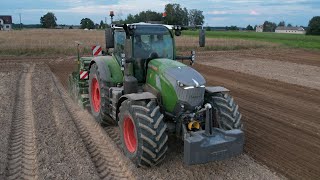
[{"x": 200, "y": 148}]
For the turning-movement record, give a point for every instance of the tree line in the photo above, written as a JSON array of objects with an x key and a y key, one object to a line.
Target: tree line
[
  {"x": 176, "y": 15},
  {"x": 173, "y": 14}
]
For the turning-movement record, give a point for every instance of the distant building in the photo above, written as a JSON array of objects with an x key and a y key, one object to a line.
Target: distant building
[
  {"x": 5, "y": 23},
  {"x": 259, "y": 28},
  {"x": 290, "y": 30}
]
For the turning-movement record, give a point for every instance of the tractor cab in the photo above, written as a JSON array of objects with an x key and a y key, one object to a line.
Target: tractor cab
[
  {"x": 141, "y": 42},
  {"x": 152, "y": 42},
  {"x": 144, "y": 39}
]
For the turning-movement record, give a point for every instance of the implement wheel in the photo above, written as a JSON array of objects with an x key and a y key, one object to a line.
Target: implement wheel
[
  {"x": 143, "y": 132},
  {"x": 99, "y": 97}
]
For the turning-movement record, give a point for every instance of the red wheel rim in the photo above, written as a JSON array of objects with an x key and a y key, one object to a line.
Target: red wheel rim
[
  {"x": 95, "y": 94},
  {"x": 129, "y": 134}
]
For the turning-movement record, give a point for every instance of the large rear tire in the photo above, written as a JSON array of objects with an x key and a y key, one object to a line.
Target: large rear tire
[
  {"x": 227, "y": 111},
  {"x": 99, "y": 97},
  {"x": 143, "y": 132}
]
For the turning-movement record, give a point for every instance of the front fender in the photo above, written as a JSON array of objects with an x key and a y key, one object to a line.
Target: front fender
[
  {"x": 216, "y": 89},
  {"x": 135, "y": 97}
]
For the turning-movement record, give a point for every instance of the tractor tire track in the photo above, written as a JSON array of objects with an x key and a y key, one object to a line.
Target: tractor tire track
[
  {"x": 109, "y": 162},
  {"x": 22, "y": 160},
  {"x": 57, "y": 135},
  {"x": 114, "y": 134},
  {"x": 9, "y": 85}
]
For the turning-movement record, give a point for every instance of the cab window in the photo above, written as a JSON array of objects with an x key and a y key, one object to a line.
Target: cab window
[{"x": 119, "y": 40}]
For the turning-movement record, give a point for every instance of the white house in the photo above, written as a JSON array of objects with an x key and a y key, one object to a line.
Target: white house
[
  {"x": 290, "y": 30},
  {"x": 259, "y": 28},
  {"x": 5, "y": 23}
]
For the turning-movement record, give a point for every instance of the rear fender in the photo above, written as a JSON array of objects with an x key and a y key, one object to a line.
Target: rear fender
[{"x": 103, "y": 69}]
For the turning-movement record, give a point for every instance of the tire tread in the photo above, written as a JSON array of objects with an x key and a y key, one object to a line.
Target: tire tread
[
  {"x": 152, "y": 131},
  {"x": 228, "y": 111}
]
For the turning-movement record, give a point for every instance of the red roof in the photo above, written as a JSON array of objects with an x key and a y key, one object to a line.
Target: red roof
[{"x": 6, "y": 19}]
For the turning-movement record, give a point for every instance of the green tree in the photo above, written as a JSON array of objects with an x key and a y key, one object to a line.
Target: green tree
[
  {"x": 87, "y": 23},
  {"x": 314, "y": 26},
  {"x": 176, "y": 15},
  {"x": 48, "y": 20},
  {"x": 195, "y": 17},
  {"x": 249, "y": 28},
  {"x": 143, "y": 16},
  {"x": 232, "y": 28},
  {"x": 130, "y": 19},
  {"x": 102, "y": 25},
  {"x": 289, "y": 25},
  {"x": 282, "y": 23},
  {"x": 269, "y": 26}
]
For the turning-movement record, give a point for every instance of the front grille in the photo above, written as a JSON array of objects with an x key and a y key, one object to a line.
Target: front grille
[{"x": 194, "y": 97}]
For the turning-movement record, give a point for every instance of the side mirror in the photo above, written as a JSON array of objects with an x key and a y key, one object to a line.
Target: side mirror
[
  {"x": 109, "y": 38},
  {"x": 193, "y": 57}
]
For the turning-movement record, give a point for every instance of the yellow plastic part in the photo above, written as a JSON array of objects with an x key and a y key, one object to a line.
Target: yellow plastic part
[{"x": 194, "y": 124}]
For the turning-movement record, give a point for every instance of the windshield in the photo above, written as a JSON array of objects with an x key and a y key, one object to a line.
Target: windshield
[{"x": 154, "y": 40}]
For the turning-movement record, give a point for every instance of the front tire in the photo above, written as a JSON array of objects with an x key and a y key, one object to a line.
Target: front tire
[
  {"x": 227, "y": 111},
  {"x": 99, "y": 97},
  {"x": 143, "y": 132}
]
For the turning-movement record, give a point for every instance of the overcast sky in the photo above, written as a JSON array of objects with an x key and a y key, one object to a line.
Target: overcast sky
[{"x": 216, "y": 12}]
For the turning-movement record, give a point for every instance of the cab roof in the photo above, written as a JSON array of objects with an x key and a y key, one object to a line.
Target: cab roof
[{"x": 170, "y": 27}]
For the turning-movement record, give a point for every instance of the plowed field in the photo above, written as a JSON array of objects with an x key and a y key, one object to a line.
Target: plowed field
[{"x": 44, "y": 135}]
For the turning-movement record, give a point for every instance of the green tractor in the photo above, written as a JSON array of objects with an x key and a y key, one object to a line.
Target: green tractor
[{"x": 141, "y": 87}]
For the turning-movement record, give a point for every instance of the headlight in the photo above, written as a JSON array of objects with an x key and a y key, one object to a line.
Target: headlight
[
  {"x": 189, "y": 87},
  {"x": 180, "y": 84}
]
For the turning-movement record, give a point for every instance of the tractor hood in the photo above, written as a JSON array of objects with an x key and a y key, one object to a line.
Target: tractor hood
[
  {"x": 178, "y": 71},
  {"x": 186, "y": 76},
  {"x": 179, "y": 85}
]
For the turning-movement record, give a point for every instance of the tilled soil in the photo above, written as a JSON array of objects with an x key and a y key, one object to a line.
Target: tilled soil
[
  {"x": 241, "y": 167},
  {"x": 42, "y": 134},
  {"x": 281, "y": 121},
  {"x": 46, "y": 136},
  {"x": 281, "y": 124},
  {"x": 300, "y": 74},
  {"x": 298, "y": 56},
  {"x": 8, "y": 89},
  {"x": 268, "y": 112}
]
